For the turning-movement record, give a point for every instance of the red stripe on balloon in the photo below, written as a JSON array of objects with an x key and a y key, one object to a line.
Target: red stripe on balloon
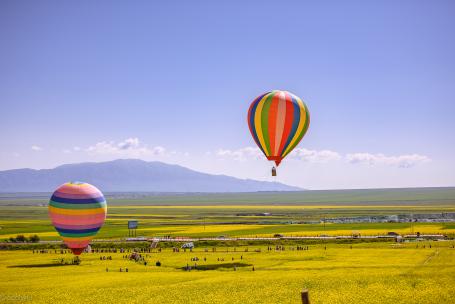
[
  {"x": 67, "y": 219},
  {"x": 77, "y": 245},
  {"x": 288, "y": 122},
  {"x": 280, "y": 120},
  {"x": 273, "y": 112}
]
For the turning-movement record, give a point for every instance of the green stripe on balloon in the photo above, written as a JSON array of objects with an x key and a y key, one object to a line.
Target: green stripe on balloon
[
  {"x": 77, "y": 206},
  {"x": 265, "y": 121},
  {"x": 77, "y": 235}
]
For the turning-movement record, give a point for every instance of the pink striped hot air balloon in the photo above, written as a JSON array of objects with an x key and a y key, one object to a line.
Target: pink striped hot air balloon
[{"x": 77, "y": 211}]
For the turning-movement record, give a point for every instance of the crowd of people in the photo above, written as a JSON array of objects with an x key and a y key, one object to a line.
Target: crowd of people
[
  {"x": 143, "y": 255},
  {"x": 283, "y": 248}
]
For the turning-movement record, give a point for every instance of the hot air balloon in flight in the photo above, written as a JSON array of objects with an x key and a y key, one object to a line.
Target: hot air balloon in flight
[
  {"x": 278, "y": 120},
  {"x": 77, "y": 211}
]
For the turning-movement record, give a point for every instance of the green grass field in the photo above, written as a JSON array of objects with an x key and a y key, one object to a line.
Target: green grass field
[
  {"x": 209, "y": 221},
  {"x": 208, "y": 215},
  {"x": 118, "y": 229},
  {"x": 367, "y": 273}
]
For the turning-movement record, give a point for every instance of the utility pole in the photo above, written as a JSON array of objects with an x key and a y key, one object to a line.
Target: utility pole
[
  {"x": 323, "y": 222},
  {"x": 412, "y": 224}
]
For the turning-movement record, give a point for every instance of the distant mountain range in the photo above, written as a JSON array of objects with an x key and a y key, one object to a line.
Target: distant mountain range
[{"x": 131, "y": 175}]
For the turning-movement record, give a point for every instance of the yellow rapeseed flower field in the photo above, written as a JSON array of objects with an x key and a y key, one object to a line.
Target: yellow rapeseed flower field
[{"x": 365, "y": 273}]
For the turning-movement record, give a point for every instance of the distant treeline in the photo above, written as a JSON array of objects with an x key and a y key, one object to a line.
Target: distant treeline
[{"x": 23, "y": 239}]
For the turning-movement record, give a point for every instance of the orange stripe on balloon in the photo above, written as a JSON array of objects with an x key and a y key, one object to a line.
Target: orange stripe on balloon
[
  {"x": 53, "y": 210},
  {"x": 77, "y": 239},
  {"x": 281, "y": 116},
  {"x": 272, "y": 122},
  {"x": 289, "y": 117}
]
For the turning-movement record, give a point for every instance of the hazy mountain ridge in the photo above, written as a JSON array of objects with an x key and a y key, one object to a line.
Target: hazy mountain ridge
[{"x": 131, "y": 175}]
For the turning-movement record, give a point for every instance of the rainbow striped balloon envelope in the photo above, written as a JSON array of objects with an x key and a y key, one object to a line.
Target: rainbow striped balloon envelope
[
  {"x": 77, "y": 211},
  {"x": 278, "y": 120}
]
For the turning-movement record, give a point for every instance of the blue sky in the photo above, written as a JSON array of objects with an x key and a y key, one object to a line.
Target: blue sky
[{"x": 100, "y": 80}]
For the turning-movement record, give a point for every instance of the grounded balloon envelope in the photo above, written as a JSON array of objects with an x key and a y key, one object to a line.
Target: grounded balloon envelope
[
  {"x": 77, "y": 211},
  {"x": 278, "y": 120}
]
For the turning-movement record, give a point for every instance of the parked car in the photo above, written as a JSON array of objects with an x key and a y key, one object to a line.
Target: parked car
[{"x": 189, "y": 245}]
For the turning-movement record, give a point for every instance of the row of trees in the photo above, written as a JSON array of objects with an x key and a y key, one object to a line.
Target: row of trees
[{"x": 23, "y": 239}]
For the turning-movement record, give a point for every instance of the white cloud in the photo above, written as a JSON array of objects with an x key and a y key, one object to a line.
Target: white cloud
[
  {"x": 157, "y": 151},
  {"x": 37, "y": 148},
  {"x": 129, "y": 147},
  {"x": 240, "y": 154},
  {"x": 325, "y": 156},
  {"x": 299, "y": 153},
  {"x": 314, "y": 156},
  {"x": 74, "y": 149},
  {"x": 129, "y": 143},
  {"x": 401, "y": 161}
]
